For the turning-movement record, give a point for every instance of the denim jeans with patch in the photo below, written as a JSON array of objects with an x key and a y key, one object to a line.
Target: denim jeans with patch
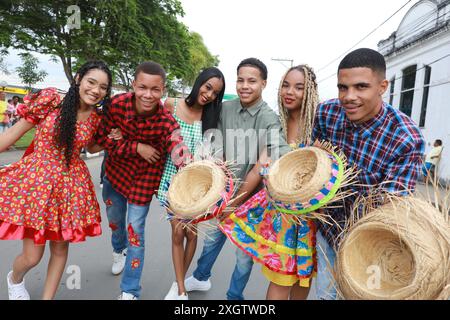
[
  {"x": 213, "y": 243},
  {"x": 127, "y": 234}
]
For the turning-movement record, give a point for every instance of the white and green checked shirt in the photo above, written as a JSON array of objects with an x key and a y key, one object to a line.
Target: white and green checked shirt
[{"x": 192, "y": 135}]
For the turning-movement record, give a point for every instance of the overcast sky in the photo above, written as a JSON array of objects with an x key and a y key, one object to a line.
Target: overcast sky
[{"x": 312, "y": 32}]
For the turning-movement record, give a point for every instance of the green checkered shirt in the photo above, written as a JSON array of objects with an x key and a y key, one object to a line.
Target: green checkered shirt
[{"x": 192, "y": 135}]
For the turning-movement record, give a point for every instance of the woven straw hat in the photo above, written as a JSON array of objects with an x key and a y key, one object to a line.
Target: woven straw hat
[
  {"x": 196, "y": 188},
  {"x": 400, "y": 250},
  {"x": 299, "y": 175}
]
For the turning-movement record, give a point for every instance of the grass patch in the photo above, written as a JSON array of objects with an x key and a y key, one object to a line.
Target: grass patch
[{"x": 25, "y": 140}]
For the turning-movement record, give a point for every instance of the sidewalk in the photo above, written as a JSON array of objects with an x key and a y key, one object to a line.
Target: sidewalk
[{"x": 11, "y": 156}]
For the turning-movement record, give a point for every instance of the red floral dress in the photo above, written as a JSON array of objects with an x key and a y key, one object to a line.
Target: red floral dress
[{"x": 40, "y": 198}]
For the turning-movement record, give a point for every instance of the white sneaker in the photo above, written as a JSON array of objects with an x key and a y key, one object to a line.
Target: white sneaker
[
  {"x": 193, "y": 284},
  {"x": 119, "y": 262},
  {"x": 173, "y": 292},
  {"x": 126, "y": 296},
  {"x": 183, "y": 296},
  {"x": 16, "y": 291}
]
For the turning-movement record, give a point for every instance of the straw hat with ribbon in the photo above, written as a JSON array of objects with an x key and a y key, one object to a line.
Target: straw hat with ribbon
[
  {"x": 307, "y": 179},
  {"x": 399, "y": 250},
  {"x": 199, "y": 191}
]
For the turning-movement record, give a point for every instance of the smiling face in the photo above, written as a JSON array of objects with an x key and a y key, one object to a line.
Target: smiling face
[
  {"x": 360, "y": 93},
  {"x": 292, "y": 90},
  {"x": 148, "y": 90},
  {"x": 249, "y": 85},
  {"x": 209, "y": 91},
  {"x": 93, "y": 87}
]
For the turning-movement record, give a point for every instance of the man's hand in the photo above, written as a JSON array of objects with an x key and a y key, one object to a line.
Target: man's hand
[{"x": 148, "y": 153}]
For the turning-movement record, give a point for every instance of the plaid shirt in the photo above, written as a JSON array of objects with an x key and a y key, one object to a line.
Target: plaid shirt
[
  {"x": 128, "y": 172},
  {"x": 388, "y": 148}
]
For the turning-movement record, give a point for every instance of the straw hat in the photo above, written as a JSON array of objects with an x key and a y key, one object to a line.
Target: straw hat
[
  {"x": 198, "y": 188},
  {"x": 401, "y": 250},
  {"x": 306, "y": 179}
]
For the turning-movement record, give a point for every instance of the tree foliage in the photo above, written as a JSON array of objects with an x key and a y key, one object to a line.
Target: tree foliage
[
  {"x": 123, "y": 33},
  {"x": 29, "y": 71}
]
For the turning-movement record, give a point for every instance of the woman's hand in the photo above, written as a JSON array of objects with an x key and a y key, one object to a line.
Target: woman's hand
[{"x": 115, "y": 134}]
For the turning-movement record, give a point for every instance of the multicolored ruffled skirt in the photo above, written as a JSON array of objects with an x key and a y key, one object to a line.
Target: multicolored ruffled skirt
[{"x": 286, "y": 249}]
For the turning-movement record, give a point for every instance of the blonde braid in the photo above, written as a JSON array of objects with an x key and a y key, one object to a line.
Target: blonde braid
[{"x": 308, "y": 107}]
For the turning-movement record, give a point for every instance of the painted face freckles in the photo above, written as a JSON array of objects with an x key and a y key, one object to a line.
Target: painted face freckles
[
  {"x": 249, "y": 85},
  {"x": 360, "y": 93}
]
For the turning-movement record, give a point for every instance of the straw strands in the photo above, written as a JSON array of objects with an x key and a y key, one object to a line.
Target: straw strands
[
  {"x": 400, "y": 250},
  {"x": 195, "y": 188},
  {"x": 306, "y": 179}
]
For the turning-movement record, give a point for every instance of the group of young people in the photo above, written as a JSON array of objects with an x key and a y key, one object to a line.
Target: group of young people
[{"x": 49, "y": 196}]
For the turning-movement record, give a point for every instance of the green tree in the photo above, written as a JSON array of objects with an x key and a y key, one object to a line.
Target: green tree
[
  {"x": 123, "y": 33},
  {"x": 3, "y": 64},
  {"x": 200, "y": 58},
  {"x": 29, "y": 71}
]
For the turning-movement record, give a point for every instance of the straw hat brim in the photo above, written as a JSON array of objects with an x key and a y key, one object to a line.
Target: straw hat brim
[
  {"x": 195, "y": 188},
  {"x": 405, "y": 243}
]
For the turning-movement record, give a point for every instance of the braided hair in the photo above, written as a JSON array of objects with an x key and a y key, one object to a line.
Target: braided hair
[
  {"x": 67, "y": 118},
  {"x": 308, "y": 107}
]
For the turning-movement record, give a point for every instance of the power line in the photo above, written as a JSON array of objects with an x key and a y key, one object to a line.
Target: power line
[
  {"x": 335, "y": 73},
  {"x": 365, "y": 37},
  {"x": 403, "y": 75},
  {"x": 431, "y": 85},
  {"x": 423, "y": 67}
]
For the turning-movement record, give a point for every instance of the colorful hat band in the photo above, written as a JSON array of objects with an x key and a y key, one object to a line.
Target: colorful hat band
[{"x": 325, "y": 195}]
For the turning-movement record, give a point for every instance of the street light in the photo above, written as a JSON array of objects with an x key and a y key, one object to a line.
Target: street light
[{"x": 284, "y": 60}]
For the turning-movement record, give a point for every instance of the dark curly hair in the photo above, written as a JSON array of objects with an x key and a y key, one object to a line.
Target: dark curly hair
[{"x": 67, "y": 119}]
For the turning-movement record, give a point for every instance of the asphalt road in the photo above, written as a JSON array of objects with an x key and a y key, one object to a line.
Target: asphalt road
[{"x": 92, "y": 261}]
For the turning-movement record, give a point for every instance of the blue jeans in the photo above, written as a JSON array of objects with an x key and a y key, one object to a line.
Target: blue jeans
[
  {"x": 326, "y": 257},
  {"x": 427, "y": 167},
  {"x": 214, "y": 241},
  {"x": 129, "y": 235}
]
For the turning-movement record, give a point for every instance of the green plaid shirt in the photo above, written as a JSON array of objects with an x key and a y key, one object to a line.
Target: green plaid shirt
[{"x": 192, "y": 135}]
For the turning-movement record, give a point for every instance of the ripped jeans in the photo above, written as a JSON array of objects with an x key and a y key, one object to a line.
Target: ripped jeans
[{"x": 129, "y": 235}]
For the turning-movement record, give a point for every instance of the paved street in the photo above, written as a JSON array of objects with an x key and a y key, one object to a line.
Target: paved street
[{"x": 93, "y": 257}]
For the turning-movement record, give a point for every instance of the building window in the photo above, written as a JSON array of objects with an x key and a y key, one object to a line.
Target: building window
[
  {"x": 391, "y": 91},
  {"x": 426, "y": 89},
  {"x": 407, "y": 96}
]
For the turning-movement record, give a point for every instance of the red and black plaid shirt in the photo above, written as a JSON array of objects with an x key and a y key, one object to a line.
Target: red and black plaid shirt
[{"x": 128, "y": 172}]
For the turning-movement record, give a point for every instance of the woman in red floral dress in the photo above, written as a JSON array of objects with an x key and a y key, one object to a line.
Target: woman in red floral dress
[{"x": 49, "y": 194}]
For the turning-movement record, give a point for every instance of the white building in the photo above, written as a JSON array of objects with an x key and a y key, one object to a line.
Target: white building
[{"x": 418, "y": 67}]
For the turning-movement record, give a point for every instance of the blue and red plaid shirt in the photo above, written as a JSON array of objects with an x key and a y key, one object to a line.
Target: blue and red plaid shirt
[
  {"x": 128, "y": 172},
  {"x": 388, "y": 148}
]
